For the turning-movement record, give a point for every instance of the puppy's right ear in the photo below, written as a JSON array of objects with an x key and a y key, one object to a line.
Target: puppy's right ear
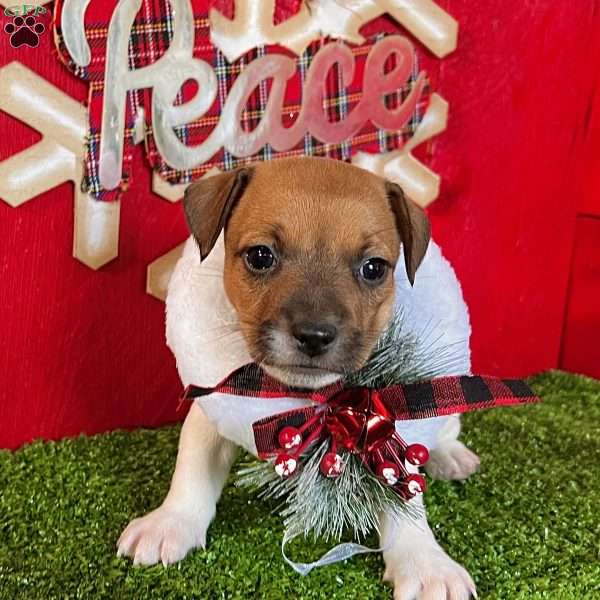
[{"x": 208, "y": 203}]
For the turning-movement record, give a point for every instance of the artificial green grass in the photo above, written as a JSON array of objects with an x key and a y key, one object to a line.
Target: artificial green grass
[{"x": 526, "y": 526}]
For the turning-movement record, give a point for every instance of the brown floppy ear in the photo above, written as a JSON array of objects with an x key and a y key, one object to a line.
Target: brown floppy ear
[
  {"x": 208, "y": 203},
  {"x": 413, "y": 227}
]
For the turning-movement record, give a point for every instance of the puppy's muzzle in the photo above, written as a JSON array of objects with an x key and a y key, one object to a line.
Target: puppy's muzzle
[{"x": 314, "y": 339}]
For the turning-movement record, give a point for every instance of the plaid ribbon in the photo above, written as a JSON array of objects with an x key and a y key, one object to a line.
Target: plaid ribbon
[
  {"x": 386, "y": 454},
  {"x": 434, "y": 398},
  {"x": 151, "y": 35}
]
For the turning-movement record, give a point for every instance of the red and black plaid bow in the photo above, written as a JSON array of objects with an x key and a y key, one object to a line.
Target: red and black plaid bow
[{"x": 361, "y": 420}]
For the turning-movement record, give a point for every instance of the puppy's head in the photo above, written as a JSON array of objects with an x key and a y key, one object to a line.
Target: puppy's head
[{"x": 310, "y": 250}]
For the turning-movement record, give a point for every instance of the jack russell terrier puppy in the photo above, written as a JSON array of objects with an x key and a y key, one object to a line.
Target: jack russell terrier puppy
[{"x": 298, "y": 265}]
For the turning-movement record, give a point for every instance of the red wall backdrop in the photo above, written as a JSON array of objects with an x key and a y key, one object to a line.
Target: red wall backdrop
[{"x": 84, "y": 351}]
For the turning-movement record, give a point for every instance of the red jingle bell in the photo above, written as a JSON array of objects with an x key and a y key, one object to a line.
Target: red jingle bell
[
  {"x": 417, "y": 454},
  {"x": 285, "y": 465},
  {"x": 415, "y": 485},
  {"x": 289, "y": 438},
  {"x": 389, "y": 472},
  {"x": 331, "y": 465}
]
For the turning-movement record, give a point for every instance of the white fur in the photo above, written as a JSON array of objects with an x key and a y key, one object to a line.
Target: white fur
[
  {"x": 203, "y": 334},
  {"x": 417, "y": 566}
]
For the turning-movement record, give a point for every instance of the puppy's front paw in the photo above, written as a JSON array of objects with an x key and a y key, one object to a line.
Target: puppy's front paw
[
  {"x": 163, "y": 535},
  {"x": 427, "y": 573},
  {"x": 452, "y": 460}
]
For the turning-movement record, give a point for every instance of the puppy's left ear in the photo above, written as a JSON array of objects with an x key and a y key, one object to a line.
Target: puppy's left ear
[
  {"x": 413, "y": 227},
  {"x": 208, "y": 203}
]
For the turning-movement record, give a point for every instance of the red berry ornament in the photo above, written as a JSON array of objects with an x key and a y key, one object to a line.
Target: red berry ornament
[
  {"x": 389, "y": 472},
  {"x": 417, "y": 454},
  {"x": 415, "y": 485},
  {"x": 331, "y": 465},
  {"x": 285, "y": 465},
  {"x": 289, "y": 438}
]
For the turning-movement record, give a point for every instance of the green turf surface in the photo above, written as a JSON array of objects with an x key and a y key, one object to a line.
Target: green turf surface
[{"x": 525, "y": 527}]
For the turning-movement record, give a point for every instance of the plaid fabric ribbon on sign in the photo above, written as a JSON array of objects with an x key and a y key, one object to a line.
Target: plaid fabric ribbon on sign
[
  {"x": 437, "y": 397},
  {"x": 150, "y": 37}
]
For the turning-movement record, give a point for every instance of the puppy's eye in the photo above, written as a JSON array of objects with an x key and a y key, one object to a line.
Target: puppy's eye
[
  {"x": 260, "y": 258},
  {"x": 373, "y": 270}
]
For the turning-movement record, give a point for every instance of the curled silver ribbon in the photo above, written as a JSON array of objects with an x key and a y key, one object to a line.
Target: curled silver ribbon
[{"x": 338, "y": 553}]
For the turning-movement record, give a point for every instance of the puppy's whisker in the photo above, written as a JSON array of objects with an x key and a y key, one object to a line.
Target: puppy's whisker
[
  {"x": 251, "y": 326},
  {"x": 225, "y": 335}
]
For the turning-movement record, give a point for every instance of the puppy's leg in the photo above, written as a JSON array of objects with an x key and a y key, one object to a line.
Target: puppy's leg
[
  {"x": 416, "y": 565},
  {"x": 169, "y": 532},
  {"x": 451, "y": 459}
]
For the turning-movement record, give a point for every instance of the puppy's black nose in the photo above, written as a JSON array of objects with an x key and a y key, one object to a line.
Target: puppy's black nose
[{"x": 314, "y": 338}]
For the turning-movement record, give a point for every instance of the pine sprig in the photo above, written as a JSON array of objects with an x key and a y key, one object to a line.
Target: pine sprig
[
  {"x": 323, "y": 507},
  {"x": 401, "y": 356}
]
